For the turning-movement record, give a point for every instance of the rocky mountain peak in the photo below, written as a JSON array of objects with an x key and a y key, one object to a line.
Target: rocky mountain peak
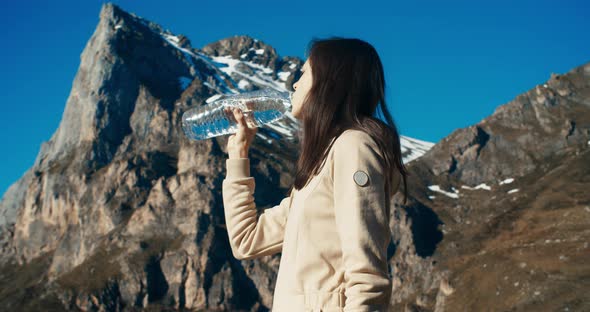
[
  {"x": 243, "y": 47},
  {"x": 547, "y": 121}
]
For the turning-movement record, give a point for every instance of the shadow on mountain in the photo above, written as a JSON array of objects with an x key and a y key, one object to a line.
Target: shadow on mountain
[{"x": 425, "y": 231}]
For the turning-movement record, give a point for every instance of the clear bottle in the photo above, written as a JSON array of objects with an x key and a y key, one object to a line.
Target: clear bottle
[{"x": 259, "y": 107}]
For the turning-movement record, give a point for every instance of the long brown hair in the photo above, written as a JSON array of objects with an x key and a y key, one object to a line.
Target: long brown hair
[{"x": 347, "y": 86}]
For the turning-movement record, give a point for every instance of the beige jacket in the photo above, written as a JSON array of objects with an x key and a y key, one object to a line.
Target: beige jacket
[{"x": 333, "y": 233}]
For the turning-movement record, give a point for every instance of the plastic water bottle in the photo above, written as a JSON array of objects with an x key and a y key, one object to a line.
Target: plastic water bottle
[{"x": 259, "y": 107}]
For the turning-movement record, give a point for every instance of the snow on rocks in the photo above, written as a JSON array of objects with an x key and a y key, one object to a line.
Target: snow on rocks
[
  {"x": 243, "y": 83},
  {"x": 481, "y": 186},
  {"x": 437, "y": 188},
  {"x": 413, "y": 148},
  {"x": 283, "y": 75}
]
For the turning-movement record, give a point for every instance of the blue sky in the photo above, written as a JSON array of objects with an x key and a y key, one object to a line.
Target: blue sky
[{"x": 448, "y": 64}]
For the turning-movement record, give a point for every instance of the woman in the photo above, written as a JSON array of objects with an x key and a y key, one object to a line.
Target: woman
[{"x": 333, "y": 228}]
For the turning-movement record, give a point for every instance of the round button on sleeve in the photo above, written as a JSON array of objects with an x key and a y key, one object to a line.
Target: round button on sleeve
[{"x": 361, "y": 178}]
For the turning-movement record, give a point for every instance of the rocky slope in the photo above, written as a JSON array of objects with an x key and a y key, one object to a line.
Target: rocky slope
[
  {"x": 510, "y": 197},
  {"x": 120, "y": 211}
]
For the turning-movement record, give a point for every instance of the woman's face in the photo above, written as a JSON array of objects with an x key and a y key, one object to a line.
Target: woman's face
[{"x": 301, "y": 88}]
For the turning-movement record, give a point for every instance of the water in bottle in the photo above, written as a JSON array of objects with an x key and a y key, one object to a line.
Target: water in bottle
[{"x": 258, "y": 107}]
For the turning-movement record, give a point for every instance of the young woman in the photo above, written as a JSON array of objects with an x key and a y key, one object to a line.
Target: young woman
[{"x": 333, "y": 228}]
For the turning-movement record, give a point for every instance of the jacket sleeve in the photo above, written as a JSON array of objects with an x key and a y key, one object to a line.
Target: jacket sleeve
[
  {"x": 362, "y": 222},
  {"x": 251, "y": 236}
]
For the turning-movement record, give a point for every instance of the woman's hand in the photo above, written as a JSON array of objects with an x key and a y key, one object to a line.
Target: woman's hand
[{"x": 238, "y": 143}]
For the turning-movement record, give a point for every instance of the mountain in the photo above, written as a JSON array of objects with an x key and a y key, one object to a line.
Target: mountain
[
  {"x": 120, "y": 210},
  {"x": 500, "y": 210}
]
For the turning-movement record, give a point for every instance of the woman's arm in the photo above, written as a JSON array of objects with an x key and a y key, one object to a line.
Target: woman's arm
[
  {"x": 362, "y": 222},
  {"x": 250, "y": 236}
]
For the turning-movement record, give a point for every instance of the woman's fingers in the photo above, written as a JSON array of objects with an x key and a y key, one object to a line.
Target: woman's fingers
[
  {"x": 241, "y": 134},
  {"x": 244, "y": 131},
  {"x": 239, "y": 116},
  {"x": 229, "y": 113}
]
